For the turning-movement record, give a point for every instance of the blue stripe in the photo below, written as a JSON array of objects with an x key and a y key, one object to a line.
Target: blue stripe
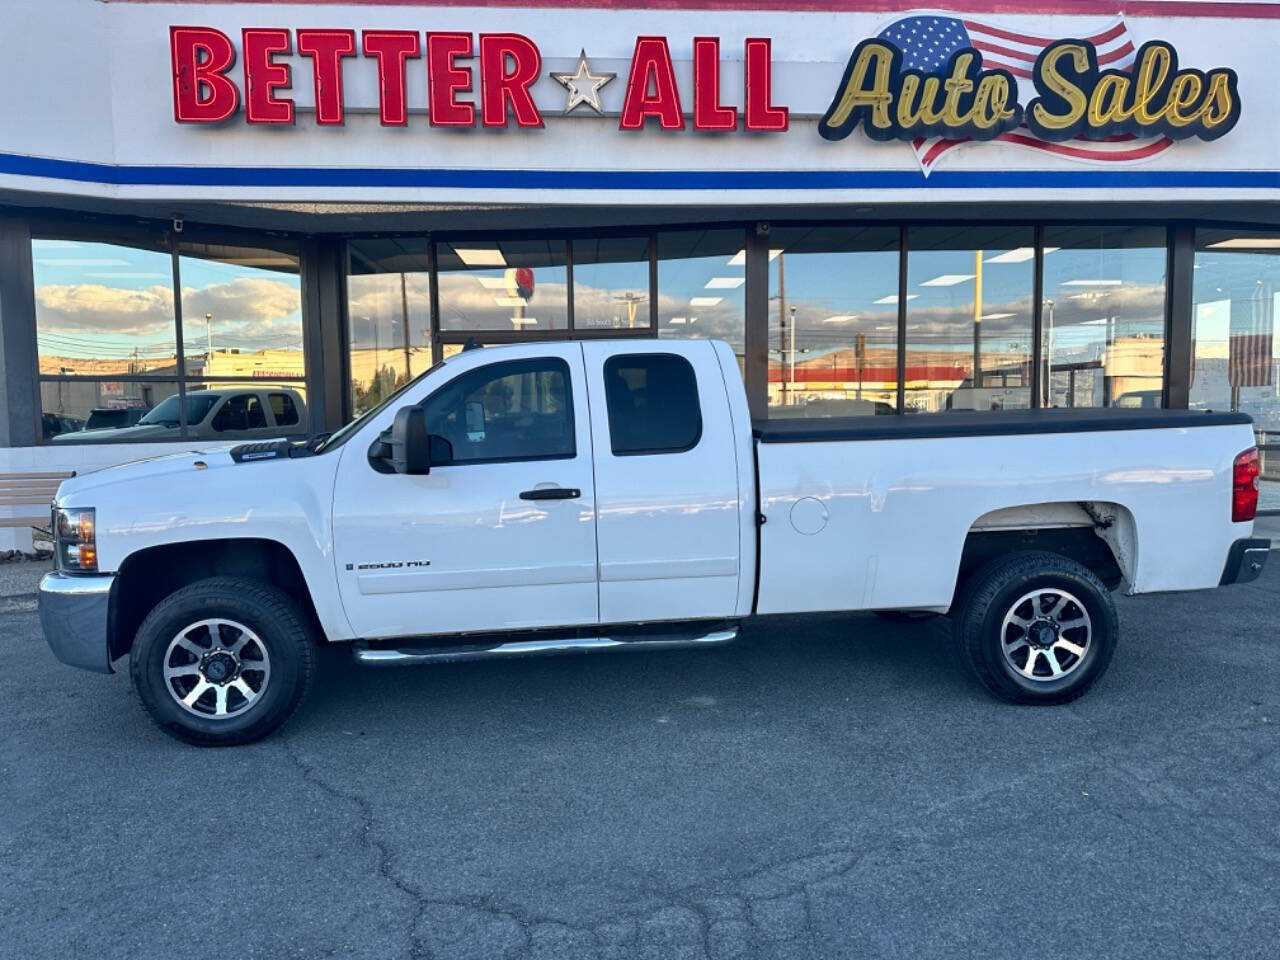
[{"x": 115, "y": 175}]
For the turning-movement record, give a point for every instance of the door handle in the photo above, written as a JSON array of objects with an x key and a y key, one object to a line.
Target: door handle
[{"x": 551, "y": 493}]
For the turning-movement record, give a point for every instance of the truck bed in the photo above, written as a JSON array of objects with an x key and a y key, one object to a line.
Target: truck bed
[{"x": 875, "y": 512}]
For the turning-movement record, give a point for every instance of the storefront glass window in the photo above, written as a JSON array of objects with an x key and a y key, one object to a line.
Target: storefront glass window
[
  {"x": 1237, "y": 282},
  {"x": 969, "y": 307},
  {"x": 103, "y": 309},
  {"x": 108, "y": 334},
  {"x": 611, "y": 283},
  {"x": 701, "y": 280},
  {"x": 1104, "y": 316},
  {"x": 388, "y": 316},
  {"x": 833, "y": 321},
  {"x": 1233, "y": 340},
  {"x": 503, "y": 285},
  {"x": 70, "y": 407},
  {"x": 241, "y": 312}
]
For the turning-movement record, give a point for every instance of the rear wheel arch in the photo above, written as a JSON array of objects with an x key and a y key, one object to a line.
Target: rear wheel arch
[
  {"x": 149, "y": 575},
  {"x": 1099, "y": 535}
]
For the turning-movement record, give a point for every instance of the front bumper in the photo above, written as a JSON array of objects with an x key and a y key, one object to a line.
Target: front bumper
[
  {"x": 75, "y": 615},
  {"x": 1246, "y": 560}
]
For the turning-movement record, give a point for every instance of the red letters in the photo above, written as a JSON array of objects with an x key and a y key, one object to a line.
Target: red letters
[
  {"x": 446, "y": 79},
  {"x": 708, "y": 113},
  {"x": 392, "y": 48},
  {"x": 201, "y": 57},
  {"x": 760, "y": 113},
  {"x": 326, "y": 48},
  {"x": 262, "y": 75},
  {"x": 498, "y": 87},
  {"x": 510, "y": 65},
  {"x": 651, "y": 65}
]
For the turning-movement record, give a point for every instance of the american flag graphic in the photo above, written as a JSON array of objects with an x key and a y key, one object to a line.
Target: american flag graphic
[
  {"x": 928, "y": 42},
  {"x": 1249, "y": 362}
]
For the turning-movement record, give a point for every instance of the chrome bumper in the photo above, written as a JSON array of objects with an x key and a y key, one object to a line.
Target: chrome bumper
[{"x": 75, "y": 618}]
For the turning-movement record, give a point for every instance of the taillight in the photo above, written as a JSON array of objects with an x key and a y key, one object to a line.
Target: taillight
[{"x": 1244, "y": 486}]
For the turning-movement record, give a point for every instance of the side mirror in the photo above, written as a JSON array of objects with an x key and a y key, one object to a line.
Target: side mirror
[{"x": 410, "y": 445}]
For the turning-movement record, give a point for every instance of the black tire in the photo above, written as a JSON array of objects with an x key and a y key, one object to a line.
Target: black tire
[
  {"x": 981, "y": 637},
  {"x": 280, "y": 629}
]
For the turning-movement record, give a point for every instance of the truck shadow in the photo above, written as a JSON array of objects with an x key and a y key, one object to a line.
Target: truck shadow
[{"x": 777, "y": 661}]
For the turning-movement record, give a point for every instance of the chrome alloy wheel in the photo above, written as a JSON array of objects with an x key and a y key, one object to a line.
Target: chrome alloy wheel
[
  {"x": 1045, "y": 635},
  {"x": 216, "y": 669}
]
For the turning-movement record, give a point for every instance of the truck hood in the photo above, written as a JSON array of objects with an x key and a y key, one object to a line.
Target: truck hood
[{"x": 164, "y": 468}]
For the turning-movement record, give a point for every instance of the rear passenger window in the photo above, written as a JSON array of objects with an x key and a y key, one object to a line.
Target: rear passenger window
[
  {"x": 241, "y": 412},
  {"x": 285, "y": 410},
  {"x": 653, "y": 404}
]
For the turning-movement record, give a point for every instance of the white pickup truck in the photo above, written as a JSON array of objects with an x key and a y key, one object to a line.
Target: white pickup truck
[{"x": 615, "y": 495}]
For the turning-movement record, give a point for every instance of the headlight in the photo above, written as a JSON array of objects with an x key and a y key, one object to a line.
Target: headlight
[{"x": 75, "y": 539}]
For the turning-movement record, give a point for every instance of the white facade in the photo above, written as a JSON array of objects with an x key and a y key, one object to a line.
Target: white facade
[
  {"x": 99, "y": 120},
  {"x": 88, "y": 124}
]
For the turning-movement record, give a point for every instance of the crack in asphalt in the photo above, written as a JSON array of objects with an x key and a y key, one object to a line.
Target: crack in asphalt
[
  {"x": 368, "y": 839},
  {"x": 776, "y": 882}
]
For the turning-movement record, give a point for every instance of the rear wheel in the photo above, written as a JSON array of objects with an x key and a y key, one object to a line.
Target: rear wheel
[
  {"x": 1036, "y": 628},
  {"x": 223, "y": 661}
]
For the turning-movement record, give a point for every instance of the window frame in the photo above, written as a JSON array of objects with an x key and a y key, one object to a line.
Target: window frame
[
  {"x": 164, "y": 239},
  {"x": 1174, "y": 378},
  {"x": 514, "y": 366},
  {"x": 570, "y": 331},
  {"x": 618, "y": 358}
]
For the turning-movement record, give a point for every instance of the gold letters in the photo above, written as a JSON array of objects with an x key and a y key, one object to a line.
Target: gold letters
[
  {"x": 1154, "y": 98},
  {"x": 1075, "y": 97},
  {"x": 855, "y": 93},
  {"x": 1074, "y": 100},
  {"x": 904, "y": 104}
]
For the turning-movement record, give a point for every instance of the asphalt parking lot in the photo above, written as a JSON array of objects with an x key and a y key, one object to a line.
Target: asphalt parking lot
[{"x": 823, "y": 789}]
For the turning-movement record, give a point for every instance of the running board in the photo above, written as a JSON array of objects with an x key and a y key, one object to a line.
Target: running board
[{"x": 382, "y": 657}]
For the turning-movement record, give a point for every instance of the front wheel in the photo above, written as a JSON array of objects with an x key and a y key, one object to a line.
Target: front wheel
[
  {"x": 223, "y": 661},
  {"x": 1036, "y": 628}
]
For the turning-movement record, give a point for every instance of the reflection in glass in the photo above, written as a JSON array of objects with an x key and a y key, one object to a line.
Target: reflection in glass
[
  {"x": 114, "y": 412},
  {"x": 1237, "y": 281},
  {"x": 611, "y": 283},
  {"x": 1233, "y": 345},
  {"x": 503, "y": 285},
  {"x": 969, "y": 307},
  {"x": 388, "y": 316},
  {"x": 241, "y": 312},
  {"x": 833, "y": 321},
  {"x": 701, "y": 287},
  {"x": 103, "y": 309},
  {"x": 104, "y": 410},
  {"x": 1104, "y": 316},
  {"x": 220, "y": 410}
]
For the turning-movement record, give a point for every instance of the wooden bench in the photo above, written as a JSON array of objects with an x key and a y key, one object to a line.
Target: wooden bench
[{"x": 25, "y": 497}]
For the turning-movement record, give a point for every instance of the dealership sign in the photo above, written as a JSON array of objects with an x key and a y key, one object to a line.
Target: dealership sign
[
  {"x": 934, "y": 82},
  {"x": 502, "y": 66}
]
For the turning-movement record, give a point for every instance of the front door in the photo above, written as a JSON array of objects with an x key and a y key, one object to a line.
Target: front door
[{"x": 501, "y": 535}]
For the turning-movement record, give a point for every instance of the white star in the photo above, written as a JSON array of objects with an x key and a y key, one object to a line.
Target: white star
[{"x": 583, "y": 85}]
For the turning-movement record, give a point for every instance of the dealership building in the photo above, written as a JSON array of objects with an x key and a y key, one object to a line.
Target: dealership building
[{"x": 227, "y": 221}]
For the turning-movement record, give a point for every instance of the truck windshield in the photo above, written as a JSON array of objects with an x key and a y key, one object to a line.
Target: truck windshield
[
  {"x": 166, "y": 411},
  {"x": 339, "y": 436}
]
